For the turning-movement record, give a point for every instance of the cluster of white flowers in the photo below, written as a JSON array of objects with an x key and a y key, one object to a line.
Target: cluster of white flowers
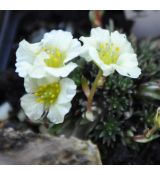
[{"x": 46, "y": 64}]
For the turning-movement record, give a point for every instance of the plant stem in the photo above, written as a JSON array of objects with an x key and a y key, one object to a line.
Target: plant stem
[
  {"x": 93, "y": 90},
  {"x": 151, "y": 131}
]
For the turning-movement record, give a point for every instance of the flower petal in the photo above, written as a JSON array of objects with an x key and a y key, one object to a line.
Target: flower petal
[
  {"x": 73, "y": 50},
  {"x": 68, "y": 91},
  {"x": 61, "y": 71},
  {"x": 107, "y": 69},
  {"x": 27, "y": 51},
  {"x": 40, "y": 59},
  {"x": 101, "y": 35},
  {"x": 98, "y": 35},
  {"x": 127, "y": 65},
  {"x": 58, "y": 38},
  {"x": 120, "y": 40},
  {"x": 37, "y": 72},
  {"x": 30, "y": 85},
  {"x": 31, "y": 108},
  {"x": 39, "y": 65},
  {"x": 89, "y": 41},
  {"x": 57, "y": 112},
  {"x": 23, "y": 68},
  {"x": 127, "y": 60},
  {"x": 47, "y": 80}
]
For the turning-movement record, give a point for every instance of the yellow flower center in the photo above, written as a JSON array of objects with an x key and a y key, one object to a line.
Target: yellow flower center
[
  {"x": 108, "y": 53},
  {"x": 56, "y": 58},
  {"x": 48, "y": 94}
]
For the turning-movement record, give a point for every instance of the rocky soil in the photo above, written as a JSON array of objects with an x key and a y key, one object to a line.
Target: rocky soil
[{"x": 27, "y": 147}]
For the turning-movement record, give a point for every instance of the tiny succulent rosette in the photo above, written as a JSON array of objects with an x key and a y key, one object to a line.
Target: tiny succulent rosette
[
  {"x": 53, "y": 55},
  {"x": 48, "y": 97},
  {"x": 110, "y": 51}
]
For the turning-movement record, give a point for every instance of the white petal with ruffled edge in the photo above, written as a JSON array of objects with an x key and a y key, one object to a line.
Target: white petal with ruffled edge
[
  {"x": 68, "y": 91},
  {"x": 61, "y": 71},
  {"x": 59, "y": 39},
  {"x": 101, "y": 35},
  {"x": 120, "y": 41},
  {"x": 37, "y": 72},
  {"x": 23, "y": 68},
  {"x": 127, "y": 65},
  {"x": 57, "y": 112},
  {"x": 31, "y": 108},
  {"x": 30, "y": 85},
  {"x": 73, "y": 51},
  {"x": 27, "y": 52}
]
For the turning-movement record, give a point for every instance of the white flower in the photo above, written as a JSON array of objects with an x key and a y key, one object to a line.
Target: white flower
[
  {"x": 51, "y": 56},
  {"x": 110, "y": 52},
  {"x": 48, "y": 96}
]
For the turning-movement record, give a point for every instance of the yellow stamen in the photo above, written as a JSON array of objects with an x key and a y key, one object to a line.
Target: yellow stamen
[
  {"x": 56, "y": 58},
  {"x": 47, "y": 94},
  {"x": 108, "y": 53}
]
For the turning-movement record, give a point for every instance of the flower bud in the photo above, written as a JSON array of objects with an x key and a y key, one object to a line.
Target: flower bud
[
  {"x": 101, "y": 82},
  {"x": 95, "y": 17}
]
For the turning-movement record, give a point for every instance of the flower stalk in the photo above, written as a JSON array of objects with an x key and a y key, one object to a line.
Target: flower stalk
[
  {"x": 93, "y": 90},
  {"x": 151, "y": 131}
]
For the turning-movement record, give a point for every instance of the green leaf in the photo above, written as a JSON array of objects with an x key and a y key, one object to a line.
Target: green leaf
[{"x": 146, "y": 140}]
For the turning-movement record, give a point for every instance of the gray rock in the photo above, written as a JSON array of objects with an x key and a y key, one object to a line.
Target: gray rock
[
  {"x": 146, "y": 23},
  {"x": 29, "y": 148}
]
